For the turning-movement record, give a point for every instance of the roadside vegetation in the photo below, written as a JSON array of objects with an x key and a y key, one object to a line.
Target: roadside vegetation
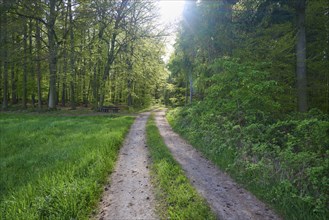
[
  {"x": 54, "y": 167},
  {"x": 250, "y": 80},
  {"x": 282, "y": 158},
  {"x": 177, "y": 198}
]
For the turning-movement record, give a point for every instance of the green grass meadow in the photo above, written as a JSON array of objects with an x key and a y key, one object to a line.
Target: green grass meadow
[
  {"x": 177, "y": 198},
  {"x": 54, "y": 167}
]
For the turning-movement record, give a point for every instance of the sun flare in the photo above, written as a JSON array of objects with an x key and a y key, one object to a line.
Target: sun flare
[
  {"x": 171, "y": 10},
  {"x": 171, "y": 13}
]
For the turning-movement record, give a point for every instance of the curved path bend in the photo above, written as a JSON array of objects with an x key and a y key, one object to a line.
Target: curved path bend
[
  {"x": 226, "y": 198},
  {"x": 129, "y": 194}
]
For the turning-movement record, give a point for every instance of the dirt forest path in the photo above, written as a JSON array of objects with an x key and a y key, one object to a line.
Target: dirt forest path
[
  {"x": 226, "y": 198},
  {"x": 130, "y": 195}
]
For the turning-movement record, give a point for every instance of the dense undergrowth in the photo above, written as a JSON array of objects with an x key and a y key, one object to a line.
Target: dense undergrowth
[
  {"x": 54, "y": 167},
  {"x": 282, "y": 158},
  {"x": 177, "y": 198}
]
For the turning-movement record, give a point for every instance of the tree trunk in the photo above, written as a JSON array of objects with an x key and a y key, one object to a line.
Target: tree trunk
[
  {"x": 24, "y": 64},
  {"x": 13, "y": 86},
  {"x": 1, "y": 57},
  {"x": 228, "y": 7},
  {"x": 64, "y": 75},
  {"x": 85, "y": 89},
  {"x": 72, "y": 61},
  {"x": 130, "y": 72},
  {"x": 38, "y": 45},
  {"x": 301, "y": 57},
  {"x": 31, "y": 67},
  {"x": 5, "y": 61},
  {"x": 52, "y": 55},
  {"x": 64, "y": 78},
  {"x": 191, "y": 84},
  {"x": 129, "y": 98},
  {"x": 95, "y": 85},
  {"x": 326, "y": 50},
  {"x": 186, "y": 92}
]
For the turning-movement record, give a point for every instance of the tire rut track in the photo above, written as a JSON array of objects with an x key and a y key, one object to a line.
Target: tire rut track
[
  {"x": 129, "y": 194},
  {"x": 227, "y": 199}
]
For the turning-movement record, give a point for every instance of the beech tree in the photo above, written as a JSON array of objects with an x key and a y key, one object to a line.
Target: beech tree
[
  {"x": 4, "y": 54},
  {"x": 301, "y": 56},
  {"x": 80, "y": 52}
]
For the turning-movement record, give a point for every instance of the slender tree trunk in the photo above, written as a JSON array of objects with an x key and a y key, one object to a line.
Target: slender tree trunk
[
  {"x": 85, "y": 89},
  {"x": 72, "y": 61},
  {"x": 64, "y": 78},
  {"x": 58, "y": 81},
  {"x": 129, "y": 80},
  {"x": 31, "y": 67},
  {"x": 52, "y": 55},
  {"x": 5, "y": 61},
  {"x": 102, "y": 94},
  {"x": 64, "y": 75},
  {"x": 301, "y": 57},
  {"x": 1, "y": 57},
  {"x": 24, "y": 64},
  {"x": 94, "y": 83},
  {"x": 186, "y": 92},
  {"x": 108, "y": 64},
  {"x": 191, "y": 84},
  {"x": 38, "y": 45},
  {"x": 326, "y": 51},
  {"x": 113, "y": 88},
  {"x": 129, "y": 98},
  {"x": 13, "y": 86},
  {"x": 109, "y": 61}
]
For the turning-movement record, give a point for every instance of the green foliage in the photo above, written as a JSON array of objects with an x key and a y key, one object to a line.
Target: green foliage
[
  {"x": 253, "y": 31},
  {"x": 244, "y": 113},
  {"x": 244, "y": 91},
  {"x": 178, "y": 199},
  {"x": 104, "y": 52},
  {"x": 283, "y": 160},
  {"x": 55, "y": 167},
  {"x": 317, "y": 26}
]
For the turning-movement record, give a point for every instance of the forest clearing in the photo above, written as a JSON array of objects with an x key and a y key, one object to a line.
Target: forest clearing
[{"x": 160, "y": 109}]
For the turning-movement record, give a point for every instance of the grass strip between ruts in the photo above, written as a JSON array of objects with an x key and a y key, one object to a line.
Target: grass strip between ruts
[{"x": 176, "y": 197}]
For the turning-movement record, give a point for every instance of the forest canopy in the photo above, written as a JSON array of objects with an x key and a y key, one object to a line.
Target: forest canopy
[
  {"x": 286, "y": 39},
  {"x": 78, "y": 52}
]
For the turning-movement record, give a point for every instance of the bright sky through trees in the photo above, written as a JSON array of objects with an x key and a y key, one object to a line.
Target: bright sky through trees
[{"x": 171, "y": 13}]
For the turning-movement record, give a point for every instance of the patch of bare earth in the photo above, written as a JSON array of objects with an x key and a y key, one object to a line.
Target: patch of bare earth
[
  {"x": 129, "y": 194},
  {"x": 227, "y": 199}
]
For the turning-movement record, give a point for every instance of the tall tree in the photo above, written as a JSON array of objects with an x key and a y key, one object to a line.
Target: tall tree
[
  {"x": 38, "y": 62},
  {"x": 52, "y": 45},
  {"x": 82, "y": 44},
  {"x": 25, "y": 55},
  {"x": 301, "y": 56},
  {"x": 189, "y": 30},
  {"x": 72, "y": 54},
  {"x": 4, "y": 42}
]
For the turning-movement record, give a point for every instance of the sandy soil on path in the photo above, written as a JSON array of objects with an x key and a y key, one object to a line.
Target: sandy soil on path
[
  {"x": 226, "y": 198},
  {"x": 129, "y": 194}
]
